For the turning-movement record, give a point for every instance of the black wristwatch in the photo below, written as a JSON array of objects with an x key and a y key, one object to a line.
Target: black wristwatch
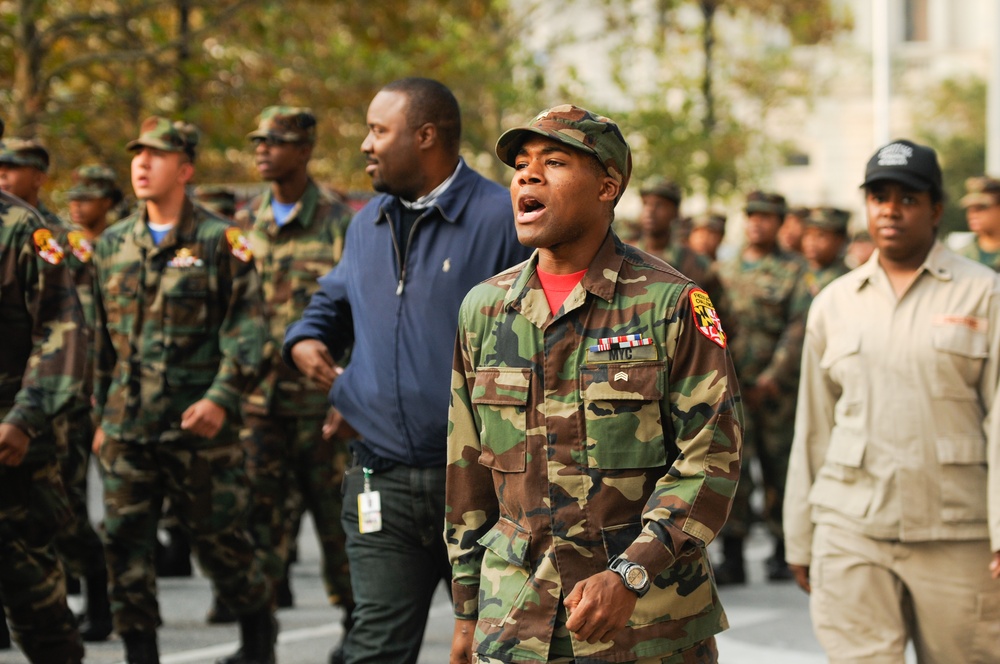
[{"x": 633, "y": 575}]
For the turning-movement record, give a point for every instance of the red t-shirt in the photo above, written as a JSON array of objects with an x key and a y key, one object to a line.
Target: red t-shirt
[{"x": 558, "y": 286}]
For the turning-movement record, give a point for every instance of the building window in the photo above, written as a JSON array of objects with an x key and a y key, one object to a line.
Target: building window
[{"x": 915, "y": 20}]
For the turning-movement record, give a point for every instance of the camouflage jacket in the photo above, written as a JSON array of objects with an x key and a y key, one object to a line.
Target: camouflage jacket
[
  {"x": 768, "y": 302},
  {"x": 41, "y": 366},
  {"x": 972, "y": 250},
  {"x": 176, "y": 322},
  {"x": 698, "y": 269},
  {"x": 52, "y": 220},
  {"x": 561, "y": 457},
  {"x": 817, "y": 280},
  {"x": 290, "y": 260}
]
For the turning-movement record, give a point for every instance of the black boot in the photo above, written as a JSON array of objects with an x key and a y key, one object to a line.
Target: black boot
[
  {"x": 174, "y": 559},
  {"x": 140, "y": 648},
  {"x": 732, "y": 571},
  {"x": 219, "y": 613},
  {"x": 777, "y": 568},
  {"x": 96, "y": 625},
  {"x": 258, "y": 633},
  {"x": 337, "y": 655}
]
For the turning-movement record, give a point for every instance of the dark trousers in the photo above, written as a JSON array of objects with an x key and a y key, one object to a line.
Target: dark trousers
[{"x": 395, "y": 571}]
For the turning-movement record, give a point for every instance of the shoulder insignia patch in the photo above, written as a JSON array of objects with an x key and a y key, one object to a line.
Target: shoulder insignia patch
[
  {"x": 80, "y": 246},
  {"x": 46, "y": 246},
  {"x": 239, "y": 244},
  {"x": 706, "y": 319}
]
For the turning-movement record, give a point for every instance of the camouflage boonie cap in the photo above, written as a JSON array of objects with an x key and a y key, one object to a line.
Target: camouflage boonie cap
[
  {"x": 580, "y": 129},
  {"x": 800, "y": 212},
  {"x": 712, "y": 221},
  {"x": 289, "y": 124},
  {"x": 766, "y": 203},
  {"x": 662, "y": 187},
  {"x": 24, "y": 152},
  {"x": 861, "y": 235},
  {"x": 828, "y": 219},
  {"x": 982, "y": 190},
  {"x": 216, "y": 198},
  {"x": 162, "y": 134},
  {"x": 92, "y": 181}
]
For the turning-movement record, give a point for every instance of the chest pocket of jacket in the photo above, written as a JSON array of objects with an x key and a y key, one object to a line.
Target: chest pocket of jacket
[
  {"x": 772, "y": 297},
  {"x": 185, "y": 301},
  {"x": 960, "y": 353},
  {"x": 120, "y": 292},
  {"x": 500, "y": 396},
  {"x": 306, "y": 269},
  {"x": 621, "y": 403}
]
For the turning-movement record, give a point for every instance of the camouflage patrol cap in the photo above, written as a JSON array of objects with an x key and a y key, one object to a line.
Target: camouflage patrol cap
[
  {"x": 24, "y": 152},
  {"x": 662, "y": 187},
  {"x": 577, "y": 128},
  {"x": 828, "y": 219},
  {"x": 982, "y": 190},
  {"x": 288, "y": 124},
  {"x": 162, "y": 134},
  {"x": 216, "y": 198},
  {"x": 712, "y": 221},
  {"x": 766, "y": 203},
  {"x": 92, "y": 181}
]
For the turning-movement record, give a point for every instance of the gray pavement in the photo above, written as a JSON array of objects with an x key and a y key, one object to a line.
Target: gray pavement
[{"x": 769, "y": 621}]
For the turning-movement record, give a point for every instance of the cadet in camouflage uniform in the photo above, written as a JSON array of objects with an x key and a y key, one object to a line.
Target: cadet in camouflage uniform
[
  {"x": 297, "y": 237},
  {"x": 660, "y": 201},
  {"x": 41, "y": 370},
  {"x": 94, "y": 193},
  {"x": 982, "y": 211},
  {"x": 707, "y": 231},
  {"x": 792, "y": 228},
  {"x": 769, "y": 300},
  {"x": 219, "y": 199},
  {"x": 586, "y": 475},
  {"x": 24, "y": 167},
  {"x": 179, "y": 338},
  {"x": 824, "y": 236}
]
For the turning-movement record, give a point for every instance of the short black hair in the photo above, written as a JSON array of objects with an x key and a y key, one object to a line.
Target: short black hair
[{"x": 431, "y": 101}]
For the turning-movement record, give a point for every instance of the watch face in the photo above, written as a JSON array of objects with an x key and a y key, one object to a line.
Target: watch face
[{"x": 636, "y": 577}]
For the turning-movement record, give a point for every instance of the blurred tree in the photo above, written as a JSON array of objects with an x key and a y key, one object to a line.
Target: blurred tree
[{"x": 951, "y": 118}]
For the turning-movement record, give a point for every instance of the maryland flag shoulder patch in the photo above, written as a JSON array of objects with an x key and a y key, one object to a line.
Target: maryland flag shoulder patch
[
  {"x": 46, "y": 246},
  {"x": 706, "y": 319},
  {"x": 239, "y": 244},
  {"x": 80, "y": 246}
]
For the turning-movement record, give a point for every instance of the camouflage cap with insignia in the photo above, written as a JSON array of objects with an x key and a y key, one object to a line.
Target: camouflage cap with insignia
[
  {"x": 288, "y": 124},
  {"x": 24, "y": 152},
  {"x": 216, "y": 198},
  {"x": 983, "y": 190},
  {"x": 170, "y": 136},
  {"x": 766, "y": 203},
  {"x": 662, "y": 187},
  {"x": 92, "y": 181},
  {"x": 828, "y": 219},
  {"x": 713, "y": 221},
  {"x": 580, "y": 129}
]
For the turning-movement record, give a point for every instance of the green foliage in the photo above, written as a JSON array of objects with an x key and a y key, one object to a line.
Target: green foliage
[{"x": 952, "y": 120}]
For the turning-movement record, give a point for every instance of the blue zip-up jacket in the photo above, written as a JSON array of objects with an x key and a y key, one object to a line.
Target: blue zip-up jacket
[{"x": 399, "y": 306}]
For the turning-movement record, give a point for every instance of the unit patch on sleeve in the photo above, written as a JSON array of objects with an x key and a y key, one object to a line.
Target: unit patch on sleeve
[
  {"x": 706, "y": 319},
  {"x": 239, "y": 244},
  {"x": 80, "y": 246},
  {"x": 46, "y": 246}
]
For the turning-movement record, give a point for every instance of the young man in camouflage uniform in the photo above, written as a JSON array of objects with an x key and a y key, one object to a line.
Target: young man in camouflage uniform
[
  {"x": 769, "y": 300},
  {"x": 24, "y": 167},
  {"x": 297, "y": 237},
  {"x": 93, "y": 195},
  {"x": 595, "y": 428},
  {"x": 824, "y": 236},
  {"x": 982, "y": 211},
  {"x": 41, "y": 370},
  {"x": 707, "y": 231},
  {"x": 660, "y": 201},
  {"x": 179, "y": 337}
]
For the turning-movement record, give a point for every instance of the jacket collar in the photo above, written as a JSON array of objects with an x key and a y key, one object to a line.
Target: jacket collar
[
  {"x": 302, "y": 213},
  {"x": 182, "y": 232},
  {"x": 449, "y": 204},
  {"x": 937, "y": 264}
]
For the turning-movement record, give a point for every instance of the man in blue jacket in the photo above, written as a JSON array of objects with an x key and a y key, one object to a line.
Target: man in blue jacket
[{"x": 410, "y": 256}]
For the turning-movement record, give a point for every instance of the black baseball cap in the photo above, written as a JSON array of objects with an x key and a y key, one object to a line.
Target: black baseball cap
[{"x": 903, "y": 161}]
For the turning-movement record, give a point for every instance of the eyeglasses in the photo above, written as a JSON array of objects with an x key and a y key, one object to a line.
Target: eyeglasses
[{"x": 271, "y": 141}]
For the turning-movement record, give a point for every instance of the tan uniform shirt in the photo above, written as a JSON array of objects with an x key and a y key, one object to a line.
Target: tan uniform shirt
[{"x": 897, "y": 435}]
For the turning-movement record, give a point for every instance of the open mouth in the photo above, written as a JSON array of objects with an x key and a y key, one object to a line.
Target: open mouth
[{"x": 529, "y": 208}]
